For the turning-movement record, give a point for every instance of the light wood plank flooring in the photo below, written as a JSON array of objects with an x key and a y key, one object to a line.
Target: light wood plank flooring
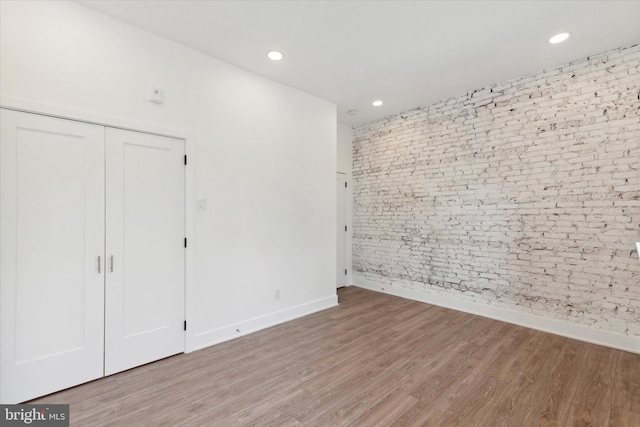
[{"x": 374, "y": 360}]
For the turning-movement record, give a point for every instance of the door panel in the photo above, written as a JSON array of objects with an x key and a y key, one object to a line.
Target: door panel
[
  {"x": 52, "y": 228},
  {"x": 341, "y": 236},
  {"x": 145, "y": 249}
]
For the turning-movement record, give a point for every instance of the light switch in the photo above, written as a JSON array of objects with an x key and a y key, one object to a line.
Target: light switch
[{"x": 202, "y": 203}]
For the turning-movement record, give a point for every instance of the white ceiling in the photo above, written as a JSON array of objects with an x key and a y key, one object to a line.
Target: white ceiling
[{"x": 407, "y": 53}]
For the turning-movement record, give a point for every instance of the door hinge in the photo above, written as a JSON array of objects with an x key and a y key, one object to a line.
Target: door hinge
[
  {"x": 345, "y": 228},
  {"x": 185, "y": 159},
  {"x": 345, "y": 184},
  {"x": 185, "y": 325},
  {"x": 345, "y": 271},
  {"x": 185, "y": 242}
]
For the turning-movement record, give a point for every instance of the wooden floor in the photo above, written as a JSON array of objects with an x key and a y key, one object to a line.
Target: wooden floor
[{"x": 374, "y": 360}]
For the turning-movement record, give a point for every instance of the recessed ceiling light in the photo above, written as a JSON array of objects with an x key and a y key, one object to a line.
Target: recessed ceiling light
[
  {"x": 559, "y": 38},
  {"x": 274, "y": 55},
  {"x": 376, "y": 103}
]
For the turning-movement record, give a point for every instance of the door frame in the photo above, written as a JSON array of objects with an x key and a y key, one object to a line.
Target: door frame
[
  {"x": 189, "y": 179},
  {"x": 342, "y": 192}
]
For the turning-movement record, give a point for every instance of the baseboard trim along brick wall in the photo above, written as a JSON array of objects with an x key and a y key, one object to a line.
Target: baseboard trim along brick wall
[
  {"x": 531, "y": 321},
  {"x": 522, "y": 198}
]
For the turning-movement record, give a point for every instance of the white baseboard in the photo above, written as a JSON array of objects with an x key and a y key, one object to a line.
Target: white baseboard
[
  {"x": 557, "y": 327},
  {"x": 236, "y": 330}
]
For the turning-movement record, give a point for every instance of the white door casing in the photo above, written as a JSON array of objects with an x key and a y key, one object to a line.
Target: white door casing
[
  {"x": 52, "y": 233},
  {"x": 341, "y": 231}
]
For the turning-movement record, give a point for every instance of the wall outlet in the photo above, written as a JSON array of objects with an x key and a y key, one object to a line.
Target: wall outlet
[{"x": 276, "y": 294}]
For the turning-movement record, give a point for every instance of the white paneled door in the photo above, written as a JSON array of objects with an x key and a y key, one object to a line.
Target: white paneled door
[
  {"x": 92, "y": 244},
  {"x": 51, "y": 254},
  {"x": 145, "y": 249},
  {"x": 341, "y": 232}
]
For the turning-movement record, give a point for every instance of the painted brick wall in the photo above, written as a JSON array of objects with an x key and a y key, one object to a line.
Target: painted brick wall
[{"x": 523, "y": 195}]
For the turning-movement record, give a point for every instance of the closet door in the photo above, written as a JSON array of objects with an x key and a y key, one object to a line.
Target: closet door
[
  {"x": 145, "y": 249},
  {"x": 51, "y": 235}
]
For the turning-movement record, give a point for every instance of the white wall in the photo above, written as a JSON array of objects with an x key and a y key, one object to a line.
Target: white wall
[
  {"x": 345, "y": 137},
  {"x": 265, "y": 155}
]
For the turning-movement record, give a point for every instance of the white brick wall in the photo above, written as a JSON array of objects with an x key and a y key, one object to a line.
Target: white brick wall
[{"x": 523, "y": 195}]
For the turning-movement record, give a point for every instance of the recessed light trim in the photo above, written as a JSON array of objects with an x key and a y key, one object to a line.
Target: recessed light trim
[
  {"x": 377, "y": 103},
  {"x": 275, "y": 55},
  {"x": 560, "y": 37}
]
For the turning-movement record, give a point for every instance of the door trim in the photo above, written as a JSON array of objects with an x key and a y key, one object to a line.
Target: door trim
[{"x": 342, "y": 230}]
